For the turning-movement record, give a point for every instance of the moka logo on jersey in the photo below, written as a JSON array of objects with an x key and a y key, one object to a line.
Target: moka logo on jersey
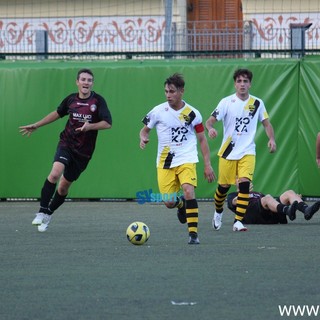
[
  {"x": 179, "y": 134},
  {"x": 242, "y": 124}
]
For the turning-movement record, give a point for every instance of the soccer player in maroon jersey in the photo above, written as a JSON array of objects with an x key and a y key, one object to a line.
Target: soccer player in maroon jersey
[
  {"x": 88, "y": 112},
  {"x": 265, "y": 209}
]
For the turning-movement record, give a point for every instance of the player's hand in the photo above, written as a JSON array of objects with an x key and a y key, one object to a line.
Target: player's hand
[
  {"x": 272, "y": 146},
  {"x": 143, "y": 142},
  {"x": 212, "y": 133},
  {"x": 27, "y": 130},
  {"x": 209, "y": 174},
  {"x": 318, "y": 163},
  {"x": 84, "y": 128}
]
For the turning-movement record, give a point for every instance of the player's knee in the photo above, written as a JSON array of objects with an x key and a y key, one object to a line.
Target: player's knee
[
  {"x": 188, "y": 192},
  {"x": 169, "y": 204},
  {"x": 266, "y": 199},
  {"x": 63, "y": 187},
  {"x": 63, "y": 190},
  {"x": 290, "y": 192},
  {"x": 54, "y": 177}
]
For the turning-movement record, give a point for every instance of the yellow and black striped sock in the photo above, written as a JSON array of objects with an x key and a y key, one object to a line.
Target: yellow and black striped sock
[
  {"x": 242, "y": 200},
  {"x": 192, "y": 212},
  {"x": 220, "y": 197}
]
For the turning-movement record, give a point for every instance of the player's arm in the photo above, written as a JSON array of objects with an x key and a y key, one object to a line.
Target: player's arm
[
  {"x": 212, "y": 132},
  {"x": 232, "y": 201},
  {"x": 144, "y": 136},
  {"x": 208, "y": 171},
  {"x": 270, "y": 133},
  {"x": 101, "y": 125},
  {"x": 318, "y": 149},
  {"x": 30, "y": 128}
]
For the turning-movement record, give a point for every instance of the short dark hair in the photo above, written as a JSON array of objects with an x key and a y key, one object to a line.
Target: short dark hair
[
  {"x": 84, "y": 71},
  {"x": 243, "y": 72},
  {"x": 176, "y": 79}
]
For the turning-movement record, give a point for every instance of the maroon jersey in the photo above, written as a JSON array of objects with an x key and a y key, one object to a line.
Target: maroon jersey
[{"x": 92, "y": 109}]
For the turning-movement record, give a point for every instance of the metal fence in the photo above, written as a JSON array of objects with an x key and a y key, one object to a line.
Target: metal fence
[{"x": 179, "y": 41}]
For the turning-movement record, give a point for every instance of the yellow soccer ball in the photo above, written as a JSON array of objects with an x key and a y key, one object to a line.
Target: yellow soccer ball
[{"x": 138, "y": 233}]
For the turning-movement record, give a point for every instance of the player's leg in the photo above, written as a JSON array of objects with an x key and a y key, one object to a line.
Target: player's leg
[
  {"x": 311, "y": 210},
  {"x": 57, "y": 200},
  {"x": 246, "y": 167},
  {"x": 290, "y": 197},
  {"x": 168, "y": 183},
  {"x": 72, "y": 170},
  {"x": 71, "y": 173},
  {"x": 226, "y": 177},
  {"x": 60, "y": 195},
  {"x": 62, "y": 158},
  {"x": 288, "y": 208},
  {"x": 187, "y": 175},
  {"x": 47, "y": 191}
]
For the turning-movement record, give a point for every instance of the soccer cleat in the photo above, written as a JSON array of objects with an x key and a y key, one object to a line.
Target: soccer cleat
[
  {"x": 291, "y": 212},
  {"x": 38, "y": 219},
  {"x": 45, "y": 223},
  {"x": 181, "y": 213},
  {"x": 217, "y": 220},
  {"x": 310, "y": 211},
  {"x": 238, "y": 226},
  {"x": 193, "y": 238}
]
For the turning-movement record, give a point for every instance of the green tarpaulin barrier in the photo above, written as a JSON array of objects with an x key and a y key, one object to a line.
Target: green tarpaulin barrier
[{"x": 119, "y": 168}]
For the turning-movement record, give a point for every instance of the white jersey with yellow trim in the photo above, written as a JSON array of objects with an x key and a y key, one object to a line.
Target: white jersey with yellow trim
[
  {"x": 240, "y": 120},
  {"x": 176, "y": 130}
]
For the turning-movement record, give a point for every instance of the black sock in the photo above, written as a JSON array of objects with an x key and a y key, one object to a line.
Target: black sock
[
  {"x": 281, "y": 208},
  {"x": 47, "y": 192},
  {"x": 56, "y": 202},
  {"x": 302, "y": 206},
  {"x": 219, "y": 197}
]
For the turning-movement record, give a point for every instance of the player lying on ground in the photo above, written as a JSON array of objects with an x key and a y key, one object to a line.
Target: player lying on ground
[{"x": 265, "y": 209}]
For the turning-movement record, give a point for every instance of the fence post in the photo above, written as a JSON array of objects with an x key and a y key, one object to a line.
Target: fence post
[
  {"x": 168, "y": 28},
  {"x": 41, "y": 44},
  {"x": 298, "y": 39}
]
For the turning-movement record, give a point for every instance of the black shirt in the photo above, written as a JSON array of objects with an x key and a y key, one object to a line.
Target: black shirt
[{"x": 93, "y": 110}]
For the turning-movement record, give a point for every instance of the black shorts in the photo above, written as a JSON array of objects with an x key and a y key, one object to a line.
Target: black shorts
[
  {"x": 256, "y": 214},
  {"x": 74, "y": 164}
]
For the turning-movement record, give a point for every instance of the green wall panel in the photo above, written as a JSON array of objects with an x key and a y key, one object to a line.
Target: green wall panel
[
  {"x": 308, "y": 127},
  {"x": 119, "y": 169}
]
